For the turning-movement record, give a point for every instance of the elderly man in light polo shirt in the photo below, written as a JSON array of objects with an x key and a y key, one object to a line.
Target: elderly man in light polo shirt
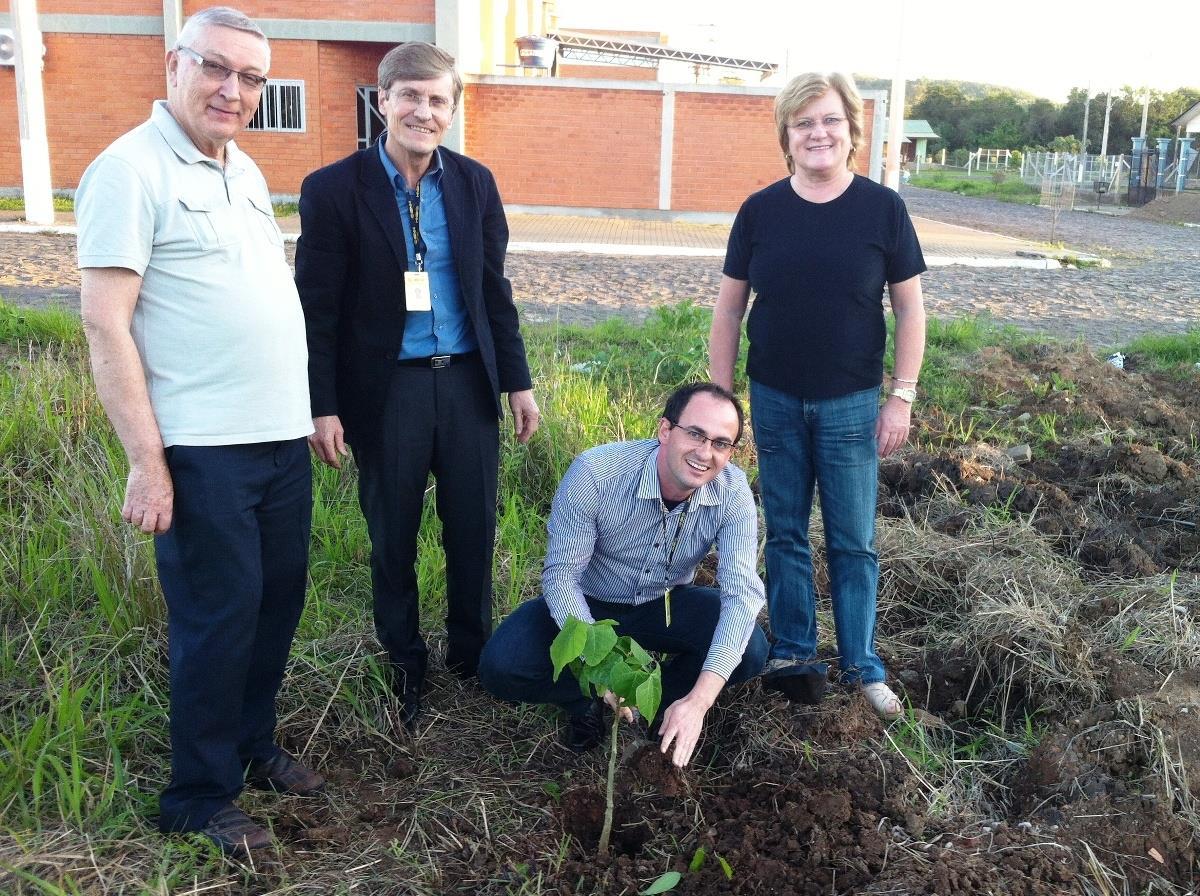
[
  {"x": 199, "y": 356},
  {"x": 630, "y": 522}
]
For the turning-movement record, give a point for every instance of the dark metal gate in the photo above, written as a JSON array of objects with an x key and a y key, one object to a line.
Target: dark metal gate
[
  {"x": 371, "y": 122},
  {"x": 1143, "y": 177}
]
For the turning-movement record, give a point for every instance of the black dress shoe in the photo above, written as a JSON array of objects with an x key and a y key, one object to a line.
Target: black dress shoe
[
  {"x": 410, "y": 713},
  {"x": 799, "y": 687},
  {"x": 586, "y": 730},
  {"x": 283, "y": 774},
  {"x": 235, "y": 833}
]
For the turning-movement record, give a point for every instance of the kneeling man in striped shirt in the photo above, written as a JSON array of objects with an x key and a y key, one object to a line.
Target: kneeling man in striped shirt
[{"x": 630, "y": 523}]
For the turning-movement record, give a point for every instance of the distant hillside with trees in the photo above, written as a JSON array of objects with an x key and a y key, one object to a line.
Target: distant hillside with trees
[{"x": 969, "y": 114}]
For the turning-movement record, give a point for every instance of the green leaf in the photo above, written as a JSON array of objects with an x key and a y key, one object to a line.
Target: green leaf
[
  {"x": 664, "y": 884},
  {"x": 639, "y": 654},
  {"x": 725, "y": 867},
  {"x": 649, "y": 695},
  {"x": 600, "y": 642},
  {"x": 568, "y": 644},
  {"x": 624, "y": 681},
  {"x": 585, "y": 676},
  {"x": 697, "y": 859}
]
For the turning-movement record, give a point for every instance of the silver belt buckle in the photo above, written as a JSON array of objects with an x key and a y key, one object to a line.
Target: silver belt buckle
[{"x": 437, "y": 362}]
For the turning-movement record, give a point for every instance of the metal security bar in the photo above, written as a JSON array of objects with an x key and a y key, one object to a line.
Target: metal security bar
[{"x": 281, "y": 108}]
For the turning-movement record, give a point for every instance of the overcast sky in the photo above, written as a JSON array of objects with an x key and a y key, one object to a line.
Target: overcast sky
[{"x": 1045, "y": 48}]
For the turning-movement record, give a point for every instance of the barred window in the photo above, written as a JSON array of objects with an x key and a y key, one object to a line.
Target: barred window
[{"x": 281, "y": 107}]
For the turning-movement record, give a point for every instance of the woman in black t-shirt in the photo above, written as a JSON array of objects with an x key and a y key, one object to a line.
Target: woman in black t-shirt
[{"x": 818, "y": 248}]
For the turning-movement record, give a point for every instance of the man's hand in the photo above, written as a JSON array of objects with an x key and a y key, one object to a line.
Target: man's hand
[
  {"x": 525, "y": 414},
  {"x": 149, "y": 497},
  {"x": 614, "y": 703},
  {"x": 328, "y": 442},
  {"x": 684, "y": 719},
  {"x": 682, "y": 723},
  {"x": 891, "y": 429}
]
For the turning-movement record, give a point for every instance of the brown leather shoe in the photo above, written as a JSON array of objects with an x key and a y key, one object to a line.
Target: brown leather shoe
[
  {"x": 235, "y": 832},
  {"x": 283, "y": 774}
]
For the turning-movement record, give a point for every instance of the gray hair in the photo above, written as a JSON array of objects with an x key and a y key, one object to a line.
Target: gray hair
[
  {"x": 214, "y": 16},
  {"x": 416, "y": 60},
  {"x": 802, "y": 90}
]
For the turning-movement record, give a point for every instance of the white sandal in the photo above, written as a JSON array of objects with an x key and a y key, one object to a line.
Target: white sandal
[{"x": 883, "y": 700}]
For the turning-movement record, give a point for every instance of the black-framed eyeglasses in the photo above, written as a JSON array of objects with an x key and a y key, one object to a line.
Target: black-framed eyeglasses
[
  {"x": 214, "y": 71},
  {"x": 698, "y": 438}
]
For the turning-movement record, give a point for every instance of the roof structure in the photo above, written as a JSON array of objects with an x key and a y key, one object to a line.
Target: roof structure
[
  {"x": 918, "y": 127},
  {"x": 591, "y": 48},
  {"x": 1189, "y": 120}
]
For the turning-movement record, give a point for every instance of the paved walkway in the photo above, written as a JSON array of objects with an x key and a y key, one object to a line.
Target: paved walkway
[
  {"x": 943, "y": 244},
  {"x": 559, "y": 274}
]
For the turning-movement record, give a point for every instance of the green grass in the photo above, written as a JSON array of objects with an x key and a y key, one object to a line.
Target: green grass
[
  {"x": 1009, "y": 187},
  {"x": 83, "y": 706},
  {"x": 1167, "y": 352},
  {"x": 67, "y": 204},
  {"x": 16, "y": 204}
]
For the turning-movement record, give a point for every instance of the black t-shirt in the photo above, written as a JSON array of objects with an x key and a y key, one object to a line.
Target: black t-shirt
[{"x": 818, "y": 269}]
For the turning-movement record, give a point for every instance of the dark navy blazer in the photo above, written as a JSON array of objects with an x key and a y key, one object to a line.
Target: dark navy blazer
[{"x": 350, "y": 263}]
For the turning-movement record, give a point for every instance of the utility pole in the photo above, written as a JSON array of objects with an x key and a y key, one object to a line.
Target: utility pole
[
  {"x": 31, "y": 114},
  {"x": 1145, "y": 110},
  {"x": 1087, "y": 106},
  {"x": 1107, "y": 113},
  {"x": 891, "y": 166}
]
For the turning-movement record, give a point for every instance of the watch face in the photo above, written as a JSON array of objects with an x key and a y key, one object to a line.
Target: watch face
[{"x": 909, "y": 395}]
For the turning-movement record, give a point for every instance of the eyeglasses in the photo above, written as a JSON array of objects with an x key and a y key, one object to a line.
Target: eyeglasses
[
  {"x": 440, "y": 105},
  {"x": 218, "y": 73},
  {"x": 698, "y": 438},
  {"x": 806, "y": 125}
]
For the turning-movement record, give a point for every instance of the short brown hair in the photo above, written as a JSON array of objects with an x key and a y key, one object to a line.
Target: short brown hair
[
  {"x": 416, "y": 60},
  {"x": 802, "y": 90}
]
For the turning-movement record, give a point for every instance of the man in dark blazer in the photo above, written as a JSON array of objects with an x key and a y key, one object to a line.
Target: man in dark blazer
[{"x": 412, "y": 337}]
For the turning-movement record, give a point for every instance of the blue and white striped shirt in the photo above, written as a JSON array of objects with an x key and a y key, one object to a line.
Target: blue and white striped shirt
[{"x": 607, "y": 542}]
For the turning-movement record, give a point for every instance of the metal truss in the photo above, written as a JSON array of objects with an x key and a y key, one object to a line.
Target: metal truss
[{"x": 621, "y": 52}]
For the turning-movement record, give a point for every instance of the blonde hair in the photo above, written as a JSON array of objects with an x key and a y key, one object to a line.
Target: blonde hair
[{"x": 802, "y": 90}]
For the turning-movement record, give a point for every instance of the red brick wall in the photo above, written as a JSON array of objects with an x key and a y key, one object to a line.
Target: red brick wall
[
  {"x": 607, "y": 72},
  {"x": 110, "y": 7},
  {"x": 567, "y": 146},
  {"x": 79, "y": 123},
  {"x": 421, "y": 11},
  {"x": 704, "y": 180},
  {"x": 343, "y": 67},
  {"x": 713, "y": 170}
]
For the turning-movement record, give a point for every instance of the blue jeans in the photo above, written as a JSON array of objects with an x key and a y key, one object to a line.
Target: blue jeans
[
  {"x": 515, "y": 665},
  {"x": 828, "y": 443}
]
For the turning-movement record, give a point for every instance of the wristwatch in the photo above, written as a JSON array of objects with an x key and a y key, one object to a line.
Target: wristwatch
[{"x": 908, "y": 395}]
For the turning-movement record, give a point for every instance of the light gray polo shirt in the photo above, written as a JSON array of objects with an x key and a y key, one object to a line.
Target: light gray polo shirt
[{"x": 218, "y": 323}]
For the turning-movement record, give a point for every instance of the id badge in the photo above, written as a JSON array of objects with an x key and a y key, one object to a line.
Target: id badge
[{"x": 416, "y": 291}]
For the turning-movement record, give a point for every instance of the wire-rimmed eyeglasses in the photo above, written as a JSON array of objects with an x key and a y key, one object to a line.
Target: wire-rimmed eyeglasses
[{"x": 214, "y": 71}]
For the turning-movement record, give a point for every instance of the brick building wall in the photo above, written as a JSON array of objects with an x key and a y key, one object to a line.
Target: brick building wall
[
  {"x": 724, "y": 148},
  {"x": 598, "y": 145},
  {"x": 573, "y": 146},
  {"x": 334, "y": 10}
]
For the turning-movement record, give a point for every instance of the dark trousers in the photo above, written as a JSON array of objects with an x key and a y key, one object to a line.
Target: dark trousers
[
  {"x": 516, "y": 662},
  {"x": 442, "y": 422},
  {"x": 233, "y": 568}
]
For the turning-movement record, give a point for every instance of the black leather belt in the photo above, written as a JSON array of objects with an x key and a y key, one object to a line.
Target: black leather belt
[{"x": 437, "y": 362}]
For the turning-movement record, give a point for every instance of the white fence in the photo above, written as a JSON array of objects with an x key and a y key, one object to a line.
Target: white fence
[{"x": 1085, "y": 170}]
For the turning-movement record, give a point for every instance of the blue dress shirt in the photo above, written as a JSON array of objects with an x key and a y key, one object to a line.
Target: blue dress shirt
[{"x": 446, "y": 330}]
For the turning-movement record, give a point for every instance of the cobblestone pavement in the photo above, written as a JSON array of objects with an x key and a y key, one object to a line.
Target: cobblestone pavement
[{"x": 1153, "y": 285}]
